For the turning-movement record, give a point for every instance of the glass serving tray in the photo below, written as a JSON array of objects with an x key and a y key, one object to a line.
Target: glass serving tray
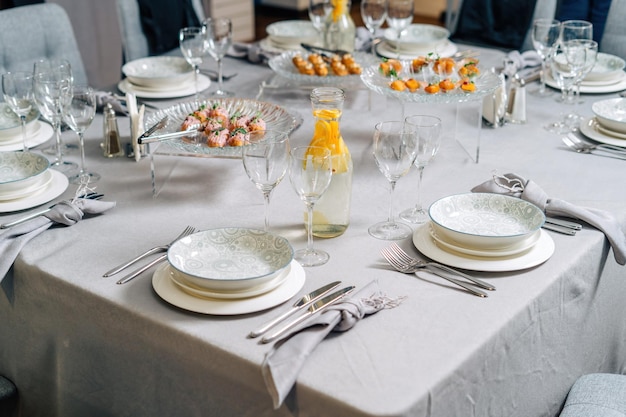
[{"x": 275, "y": 117}]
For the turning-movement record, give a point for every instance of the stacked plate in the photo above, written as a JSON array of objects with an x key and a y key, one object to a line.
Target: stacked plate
[
  {"x": 287, "y": 35},
  {"x": 607, "y": 76},
  {"x": 610, "y": 116},
  {"x": 11, "y": 130},
  {"x": 160, "y": 77},
  {"x": 229, "y": 271},
  {"x": 484, "y": 231},
  {"x": 26, "y": 181},
  {"x": 416, "y": 40}
]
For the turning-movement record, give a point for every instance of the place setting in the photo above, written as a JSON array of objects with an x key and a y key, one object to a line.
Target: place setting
[
  {"x": 415, "y": 40},
  {"x": 608, "y": 125},
  {"x": 606, "y": 76},
  {"x": 35, "y": 133}
]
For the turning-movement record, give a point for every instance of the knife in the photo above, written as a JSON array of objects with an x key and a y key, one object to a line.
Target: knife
[
  {"x": 158, "y": 125},
  {"x": 303, "y": 302},
  {"x": 316, "y": 307},
  {"x": 323, "y": 51},
  {"x": 559, "y": 229},
  {"x": 564, "y": 223}
]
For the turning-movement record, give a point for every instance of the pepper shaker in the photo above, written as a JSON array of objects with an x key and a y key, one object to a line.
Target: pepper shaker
[{"x": 112, "y": 145}]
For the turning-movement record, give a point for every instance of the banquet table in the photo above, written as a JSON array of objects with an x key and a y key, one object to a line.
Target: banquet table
[{"x": 77, "y": 344}]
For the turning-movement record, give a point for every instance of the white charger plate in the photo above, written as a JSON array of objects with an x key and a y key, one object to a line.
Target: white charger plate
[
  {"x": 55, "y": 188},
  {"x": 494, "y": 253},
  {"x": 169, "y": 292},
  {"x": 39, "y": 185},
  {"x": 538, "y": 254},
  {"x": 39, "y": 134},
  {"x": 187, "y": 89},
  {"x": 594, "y": 88},
  {"x": 447, "y": 49},
  {"x": 590, "y": 128}
]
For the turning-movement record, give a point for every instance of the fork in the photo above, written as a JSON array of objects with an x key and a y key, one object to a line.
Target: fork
[
  {"x": 582, "y": 143},
  {"x": 188, "y": 230},
  {"x": 582, "y": 148}
]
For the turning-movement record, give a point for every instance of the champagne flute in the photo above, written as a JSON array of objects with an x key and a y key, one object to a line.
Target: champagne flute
[
  {"x": 310, "y": 171},
  {"x": 395, "y": 150},
  {"x": 51, "y": 91},
  {"x": 399, "y": 17},
  {"x": 194, "y": 46},
  {"x": 545, "y": 35},
  {"x": 319, "y": 10},
  {"x": 428, "y": 130},
  {"x": 373, "y": 13},
  {"x": 265, "y": 161},
  {"x": 219, "y": 33},
  {"x": 564, "y": 74},
  {"x": 17, "y": 88},
  {"x": 78, "y": 113}
]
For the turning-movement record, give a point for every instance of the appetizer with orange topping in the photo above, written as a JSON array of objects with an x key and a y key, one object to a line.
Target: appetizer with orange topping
[{"x": 315, "y": 64}]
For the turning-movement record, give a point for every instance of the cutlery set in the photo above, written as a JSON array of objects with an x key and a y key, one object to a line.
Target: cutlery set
[
  {"x": 582, "y": 146},
  {"x": 561, "y": 226}
]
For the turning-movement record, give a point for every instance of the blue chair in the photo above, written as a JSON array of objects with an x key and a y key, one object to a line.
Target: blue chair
[
  {"x": 614, "y": 36},
  {"x": 38, "y": 31},
  {"x": 8, "y": 398},
  {"x": 597, "y": 395}
]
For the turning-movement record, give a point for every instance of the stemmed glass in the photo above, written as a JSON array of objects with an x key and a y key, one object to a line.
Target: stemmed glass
[
  {"x": 17, "y": 88},
  {"x": 373, "y": 13},
  {"x": 545, "y": 35},
  {"x": 310, "y": 171},
  {"x": 266, "y": 161},
  {"x": 399, "y": 17},
  {"x": 219, "y": 32},
  {"x": 78, "y": 113},
  {"x": 395, "y": 150},
  {"x": 51, "y": 92},
  {"x": 194, "y": 47},
  {"x": 319, "y": 10},
  {"x": 428, "y": 131},
  {"x": 576, "y": 29}
]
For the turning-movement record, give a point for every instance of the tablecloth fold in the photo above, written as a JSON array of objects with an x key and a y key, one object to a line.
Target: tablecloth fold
[
  {"x": 12, "y": 240},
  {"x": 283, "y": 362},
  {"x": 514, "y": 185}
]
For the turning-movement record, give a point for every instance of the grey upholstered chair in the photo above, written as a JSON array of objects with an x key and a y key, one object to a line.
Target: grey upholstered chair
[
  {"x": 614, "y": 37},
  {"x": 34, "y": 32},
  {"x": 134, "y": 41},
  {"x": 597, "y": 395}
]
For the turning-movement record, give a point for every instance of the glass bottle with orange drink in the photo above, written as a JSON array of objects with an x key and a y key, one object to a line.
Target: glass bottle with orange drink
[
  {"x": 332, "y": 212},
  {"x": 340, "y": 30}
]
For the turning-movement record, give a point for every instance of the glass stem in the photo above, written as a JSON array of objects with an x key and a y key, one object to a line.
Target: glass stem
[
  {"x": 542, "y": 76},
  {"x": 57, "y": 134},
  {"x": 309, "y": 221},
  {"x": 418, "y": 205},
  {"x": 23, "y": 123},
  {"x": 82, "y": 153},
  {"x": 266, "y": 198},
  {"x": 196, "y": 71},
  {"x": 219, "y": 74},
  {"x": 391, "y": 190}
]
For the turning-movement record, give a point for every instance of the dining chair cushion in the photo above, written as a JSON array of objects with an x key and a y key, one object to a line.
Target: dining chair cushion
[
  {"x": 8, "y": 397},
  {"x": 597, "y": 395},
  {"x": 38, "y": 31},
  {"x": 614, "y": 36}
]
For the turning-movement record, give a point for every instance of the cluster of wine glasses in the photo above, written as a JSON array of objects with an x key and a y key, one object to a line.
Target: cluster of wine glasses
[
  {"x": 213, "y": 38},
  {"x": 568, "y": 53},
  {"x": 50, "y": 88}
]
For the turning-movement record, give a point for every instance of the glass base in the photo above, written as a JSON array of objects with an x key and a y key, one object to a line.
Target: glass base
[
  {"x": 221, "y": 93},
  {"x": 64, "y": 166},
  {"x": 415, "y": 215},
  {"x": 569, "y": 123},
  {"x": 390, "y": 231},
  {"x": 85, "y": 178},
  {"x": 65, "y": 149},
  {"x": 307, "y": 257}
]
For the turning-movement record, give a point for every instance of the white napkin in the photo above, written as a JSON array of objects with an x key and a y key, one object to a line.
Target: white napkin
[
  {"x": 516, "y": 186},
  {"x": 516, "y": 61},
  {"x": 66, "y": 212},
  {"x": 136, "y": 123},
  {"x": 283, "y": 362}
]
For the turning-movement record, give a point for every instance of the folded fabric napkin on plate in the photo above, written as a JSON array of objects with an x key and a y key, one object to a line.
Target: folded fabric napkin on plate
[
  {"x": 250, "y": 51},
  {"x": 66, "y": 212},
  {"x": 516, "y": 61},
  {"x": 283, "y": 362},
  {"x": 516, "y": 186},
  {"x": 104, "y": 97}
]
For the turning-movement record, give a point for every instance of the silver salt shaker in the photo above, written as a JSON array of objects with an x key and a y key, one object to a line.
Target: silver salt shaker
[{"x": 112, "y": 144}]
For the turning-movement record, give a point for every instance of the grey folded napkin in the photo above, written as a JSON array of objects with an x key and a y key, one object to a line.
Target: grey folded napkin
[
  {"x": 250, "y": 51},
  {"x": 516, "y": 186},
  {"x": 104, "y": 97},
  {"x": 283, "y": 362},
  {"x": 69, "y": 212},
  {"x": 516, "y": 61}
]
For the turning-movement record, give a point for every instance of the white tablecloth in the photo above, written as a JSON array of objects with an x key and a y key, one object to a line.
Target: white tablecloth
[{"x": 77, "y": 344}]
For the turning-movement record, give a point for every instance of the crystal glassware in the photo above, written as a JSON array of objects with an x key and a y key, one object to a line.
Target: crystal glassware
[
  {"x": 399, "y": 17},
  {"x": 194, "y": 47},
  {"x": 545, "y": 35},
  {"x": 219, "y": 32},
  {"x": 373, "y": 13},
  {"x": 319, "y": 10},
  {"x": 17, "y": 89},
  {"x": 78, "y": 113},
  {"x": 310, "y": 170},
  {"x": 395, "y": 150},
  {"x": 428, "y": 130},
  {"x": 265, "y": 160}
]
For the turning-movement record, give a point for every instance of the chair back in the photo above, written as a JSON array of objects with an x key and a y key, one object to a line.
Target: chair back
[
  {"x": 614, "y": 37},
  {"x": 39, "y": 31}
]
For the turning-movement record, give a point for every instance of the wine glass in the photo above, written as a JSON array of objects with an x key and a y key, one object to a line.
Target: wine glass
[
  {"x": 78, "y": 113},
  {"x": 194, "y": 47},
  {"x": 576, "y": 29},
  {"x": 219, "y": 33},
  {"x": 428, "y": 130},
  {"x": 395, "y": 150},
  {"x": 310, "y": 171},
  {"x": 17, "y": 88},
  {"x": 545, "y": 35},
  {"x": 373, "y": 13},
  {"x": 399, "y": 17},
  {"x": 266, "y": 160},
  {"x": 51, "y": 91},
  {"x": 319, "y": 10}
]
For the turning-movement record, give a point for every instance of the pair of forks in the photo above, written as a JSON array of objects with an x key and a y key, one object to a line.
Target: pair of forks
[
  {"x": 404, "y": 263},
  {"x": 186, "y": 232}
]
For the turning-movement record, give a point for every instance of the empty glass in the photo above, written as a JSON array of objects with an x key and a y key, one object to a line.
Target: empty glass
[
  {"x": 219, "y": 32},
  {"x": 319, "y": 10},
  {"x": 78, "y": 114},
  {"x": 17, "y": 88},
  {"x": 545, "y": 35},
  {"x": 310, "y": 171},
  {"x": 373, "y": 13},
  {"x": 399, "y": 17},
  {"x": 194, "y": 47}
]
